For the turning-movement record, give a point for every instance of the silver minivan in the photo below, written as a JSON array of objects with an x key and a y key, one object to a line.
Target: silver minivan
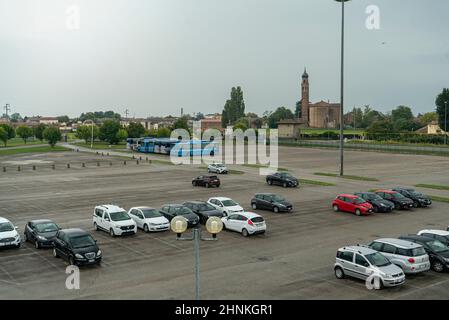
[
  {"x": 409, "y": 256},
  {"x": 363, "y": 262}
]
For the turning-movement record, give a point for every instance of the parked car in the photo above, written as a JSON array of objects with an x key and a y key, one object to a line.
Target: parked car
[
  {"x": 352, "y": 204},
  {"x": 419, "y": 199},
  {"x": 9, "y": 237},
  {"x": 225, "y": 205},
  {"x": 41, "y": 232},
  {"x": 149, "y": 219},
  {"x": 203, "y": 209},
  {"x": 361, "y": 262},
  {"x": 379, "y": 204},
  {"x": 77, "y": 247},
  {"x": 172, "y": 210},
  {"x": 440, "y": 235},
  {"x": 282, "y": 179},
  {"x": 272, "y": 202},
  {"x": 400, "y": 202},
  {"x": 246, "y": 223},
  {"x": 206, "y": 181},
  {"x": 409, "y": 256},
  {"x": 114, "y": 220},
  {"x": 438, "y": 252},
  {"x": 217, "y": 168}
]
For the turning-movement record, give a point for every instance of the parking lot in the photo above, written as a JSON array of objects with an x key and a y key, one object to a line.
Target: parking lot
[{"x": 293, "y": 260}]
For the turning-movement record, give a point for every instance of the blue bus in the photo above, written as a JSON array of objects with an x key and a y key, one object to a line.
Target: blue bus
[{"x": 167, "y": 145}]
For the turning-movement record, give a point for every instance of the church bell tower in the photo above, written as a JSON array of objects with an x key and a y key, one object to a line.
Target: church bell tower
[{"x": 305, "y": 98}]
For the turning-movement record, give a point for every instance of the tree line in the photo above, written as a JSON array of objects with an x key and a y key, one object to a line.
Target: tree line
[{"x": 51, "y": 134}]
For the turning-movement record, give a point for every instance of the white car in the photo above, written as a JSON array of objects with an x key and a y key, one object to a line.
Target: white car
[
  {"x": 149, "y": 219},
  {"x": 217, "y": 168},
  {"x": 225, "y": 205},
  {"x": 440, "y": 235},
  {"x": 9, "y": 237},
  {"x": 114, "y": 220},
  {"x": 246, "y": 223}
]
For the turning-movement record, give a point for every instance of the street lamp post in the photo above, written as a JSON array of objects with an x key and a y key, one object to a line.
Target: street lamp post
[
  {"x": 214, "y": 225},
  {"x": 445, "y": 122},
  {"x": 342, "y": 85}
]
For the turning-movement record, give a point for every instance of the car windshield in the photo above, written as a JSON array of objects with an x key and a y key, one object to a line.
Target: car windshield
[
  {"x": 205, "y": 207},
  {"x": 181, "y": 211},
  {"x": 47, "y": 227},
  {"x": 398, "y": 196},
  {"x": 416, "y": 193},
  {"x": 278, "y": 198},
  {"x": 219, "y": 165},
  {"x": 287, "y": 176},
  {"x": 374, "y": 197},
  {"x": 437, "y": 246},
  {"x": 229, "y": 203},
  {"x": 359, "y": 201},
  {"x": 82, "y": 241},
  {"x": 378, "y": 260},
  {"x": 6, "y": 227},
  {"x": 119, "y": 216},
  {"x": 151, "y": 213}
]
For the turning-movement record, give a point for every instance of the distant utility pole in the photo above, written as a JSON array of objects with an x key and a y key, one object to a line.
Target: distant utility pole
[
  {"x": 126, "y": 113},
  {"x": 7, "y": 109}
]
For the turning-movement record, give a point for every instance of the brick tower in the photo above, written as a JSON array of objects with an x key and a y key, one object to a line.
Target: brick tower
[{"x": 305, "y": 98}]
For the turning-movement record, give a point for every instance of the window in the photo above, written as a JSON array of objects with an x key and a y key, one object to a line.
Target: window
[
  {"x": 361, "y": 261},
  {"x": 346, "y": 255},
  {"x": 429, "y": 235},
  {"x": 165, "y": 209},
  {"x": 376, "y": 246},
  {"x": 233, "y": 217},
  {"x": 259, "y": 196},
  {"x": 99, "y": 213},
  {"x": 388, "y": 248}
]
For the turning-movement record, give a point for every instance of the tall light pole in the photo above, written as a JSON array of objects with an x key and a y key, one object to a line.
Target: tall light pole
[
  {"x": 92, "y": 136},
  {"x": 445, "y": 122},
  {"x": 342, "y": 85}
]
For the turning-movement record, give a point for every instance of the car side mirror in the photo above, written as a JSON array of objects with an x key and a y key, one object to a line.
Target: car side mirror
[
  {"x": 107, "y": 219},
  {"x": 17, "y": 228},
  {"x": 366, "y": 264}
]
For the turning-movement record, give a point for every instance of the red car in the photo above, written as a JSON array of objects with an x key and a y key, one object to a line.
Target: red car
[{"x": 353, "y": 204}]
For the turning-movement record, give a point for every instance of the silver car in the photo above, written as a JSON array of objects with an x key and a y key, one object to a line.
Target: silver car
[
  {"x": 409, "y": 256},
  {"x": 363, "y": 263},
  {"x": 217, "y": 168}
]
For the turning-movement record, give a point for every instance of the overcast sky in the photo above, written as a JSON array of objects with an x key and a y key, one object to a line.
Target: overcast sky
[{"x": 156, "y": 56}]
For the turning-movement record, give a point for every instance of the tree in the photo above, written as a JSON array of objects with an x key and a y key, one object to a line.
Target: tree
[
  {"x": 122, "y": 134},
  {"x": 63, "y": 119},
  {"x": 163, "y": 133},
  {"x": 9, "y": 130},
  {"x": 85, "y": 132},
  {"x": 234, "y": 108},
  {"x": 52, "y": 135},
  {"x": 38, "y": 131},
  {"x": 281, "y": 113},
  {"x": 15, "y": 117},
  {"x": 380, "y": 128},
  {"x": 298, "y": 109},
  {"x": 108, "y": 131},
  {"x": 428, "y": 118},
  {"x": 4, "y": 136},
  {"x": 242, "y": 124},
  {"x": 24, "y": 132},
  {"x": 99, "y": 115},
  {"x": 135, "y": 130},
  {"x": 442, "y": 115},
  {"x": 403, "y": 119},
  {"x": 181, "y": 123}
]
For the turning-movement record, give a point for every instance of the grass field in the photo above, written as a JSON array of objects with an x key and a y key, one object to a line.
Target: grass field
[
  {"x": 43, "y": 149},
  {"x": 432, "y": 186},
  {"x": 440, "y": 199},
  {"x": 336, "y": 131},
  {"x": 317, "y": 183},
  {"x": 16, "y": 142},
  {"x": 102, "y": 145},
  {"x": 349, "y": 177},
  {"x": 259, "y": 166}
]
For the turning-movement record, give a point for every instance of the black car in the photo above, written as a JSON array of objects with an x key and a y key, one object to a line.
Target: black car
[
  {"x": 206, "y": 181},
  {"x": 283, "y": 179},
  {"x": 400, "y": 202},
  {"x": 379, "y": 204},
  {"x": 272, "y": 202},
  {"x": 41, "y": 232},
  {"x": 172, "y": 210},
  {"x": 419, "y": 199},
  {"x": 203, "y": 209},
  {"x": 438, "y": 252},
  {"x": 77, "y": 247}
]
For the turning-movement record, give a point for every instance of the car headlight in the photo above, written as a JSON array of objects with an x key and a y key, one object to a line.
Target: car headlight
[
  {"x": 17, "y": 236},
  {"x": 99, "y": 253},
  {"x": 77, "y": 255},
  {"x": 446, "y": 259},
  {"x": 42, "y": 238}
]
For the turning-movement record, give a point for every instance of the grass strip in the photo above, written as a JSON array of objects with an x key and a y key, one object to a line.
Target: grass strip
[{"x": 348, "y": 177}]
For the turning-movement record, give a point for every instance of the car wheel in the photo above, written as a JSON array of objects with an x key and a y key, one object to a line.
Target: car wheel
[
  {"x": 357, "y": 212},
  {"x": 254, "y": 206},
  {"x": 270, "y": 182},
  {"x": 397, "y": 206},
  {"x": 111, "y": 232},
  {"x": 194, "y": 184},
  {"x": 285, "y": 185},
  {"x": 245, "y": 233},
  {"x": 336, "y": 208},
  {"x": 26, "y": 237},
  {"x": 145, "y": 228},
  {"x": 437, "y": 266},
  {"x": 376, "y": 209},
  {"x": 415, "y": 204},
  {"x": 95, "y": 226},
  {"x": 72, "y": 261},
  {"x": 37, "y": 245},
  {"x": 276, "y": 210},
  {"x": 339, "y": 273},
  {"x": 207, "y": 185},
  {"x": 55, "y": 253}
]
